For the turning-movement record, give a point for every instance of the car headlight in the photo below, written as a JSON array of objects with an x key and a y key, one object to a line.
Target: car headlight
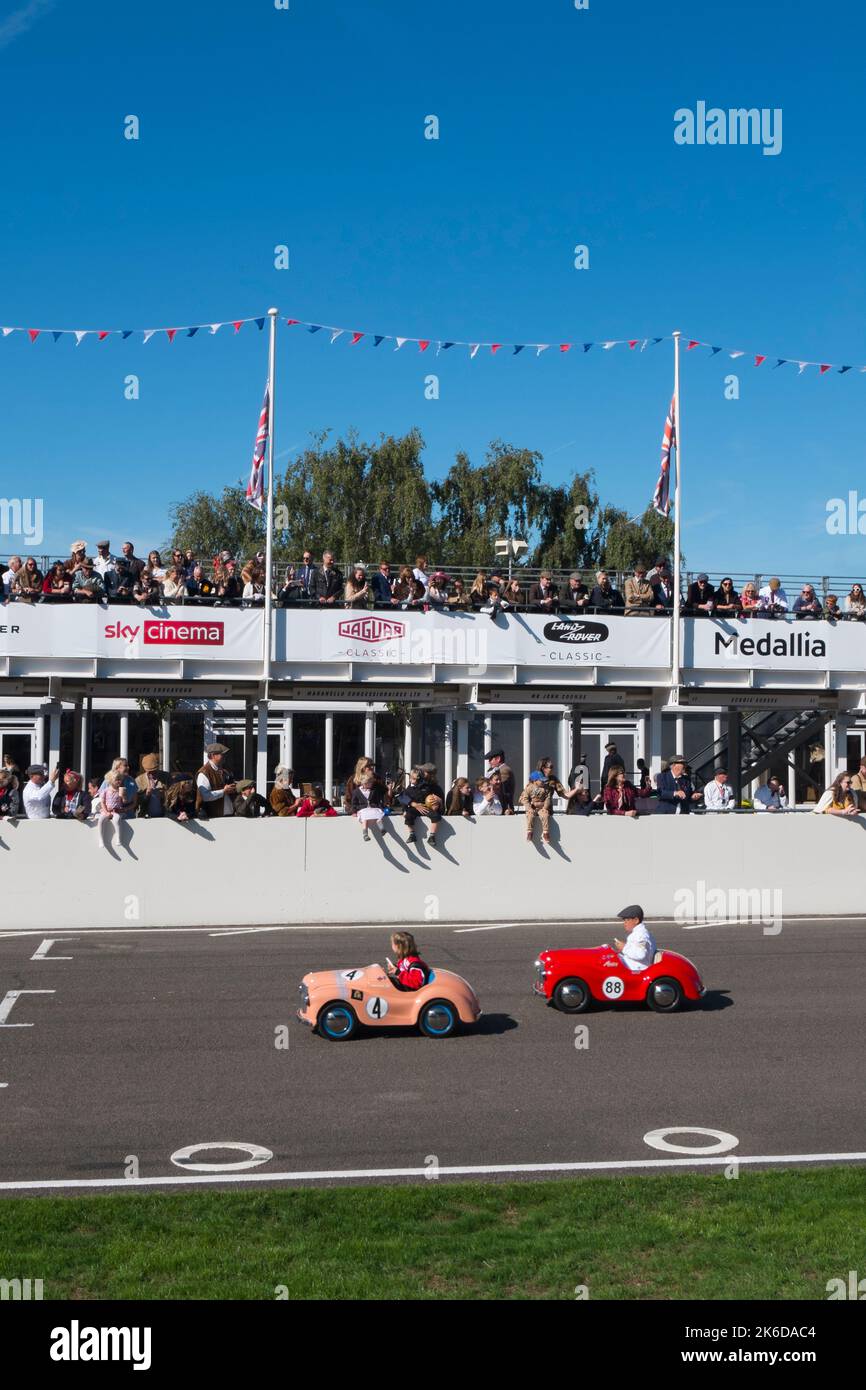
[
  {"x": 305, "y": 996},
  {"x": 540, "y": 970}
]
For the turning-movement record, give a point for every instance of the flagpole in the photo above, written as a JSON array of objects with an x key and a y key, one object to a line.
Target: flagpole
[
  {"x": 675, "y": 659},
  {"x": 264, "y": 689}
]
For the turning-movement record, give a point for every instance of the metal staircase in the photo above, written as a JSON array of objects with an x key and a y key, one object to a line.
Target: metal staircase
[{"x": 765, "y": 736}]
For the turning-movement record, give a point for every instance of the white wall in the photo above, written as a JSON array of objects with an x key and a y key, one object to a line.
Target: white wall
[{"x": 239, "y": 872}]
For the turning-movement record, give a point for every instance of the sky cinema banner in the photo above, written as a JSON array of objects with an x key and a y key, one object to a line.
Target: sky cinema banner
[{"x": 129, "y": 633}]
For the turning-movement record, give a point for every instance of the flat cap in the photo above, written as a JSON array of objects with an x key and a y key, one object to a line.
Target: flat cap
[
  {"x": 212, "y": 748},
  {"x": 633, "y": 910}
]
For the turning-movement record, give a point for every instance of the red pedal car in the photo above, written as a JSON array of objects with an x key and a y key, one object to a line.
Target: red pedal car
[{"x": 572, "y": 980}]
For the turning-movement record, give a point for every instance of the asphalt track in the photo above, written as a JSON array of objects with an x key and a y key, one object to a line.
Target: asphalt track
[{"x": 147, "y": 1042}]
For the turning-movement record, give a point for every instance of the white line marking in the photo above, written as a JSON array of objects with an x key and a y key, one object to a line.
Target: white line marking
[
  {"x": 41, "y": 952},
  {"x": 464, "y": 931},
  {"x": 255, "y": 1155},
  {"x": 479, "y": 1170},
  {"x": 8, "y": 1003},
  {"x": 3, "y": 1085}
]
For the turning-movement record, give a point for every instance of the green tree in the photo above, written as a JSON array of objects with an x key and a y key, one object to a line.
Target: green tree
[
  {"x": 568, "y": 535},
  {"x": 476, "y": 504},
  {"x": 207, "y": 524},
  {"x": 629, "y": 540}
]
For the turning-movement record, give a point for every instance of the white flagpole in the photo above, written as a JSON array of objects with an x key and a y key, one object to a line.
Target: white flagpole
[
  {"x": 264, "y": 688},
  {"x": 676, "y": 657}
]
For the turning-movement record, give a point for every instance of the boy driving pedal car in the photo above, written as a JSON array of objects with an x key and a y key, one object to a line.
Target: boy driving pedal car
[{"x": 639, "y": 947}]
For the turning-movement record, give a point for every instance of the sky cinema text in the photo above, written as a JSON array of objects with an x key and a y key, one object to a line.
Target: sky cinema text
[
  {"x": 169, "y": 631},
  {"x": 390, "y": 642}
]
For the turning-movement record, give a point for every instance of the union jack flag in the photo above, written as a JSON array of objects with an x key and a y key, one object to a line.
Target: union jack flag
[
  {"x": 255, "y": 486},
  {"x": 662, "y": 494}
]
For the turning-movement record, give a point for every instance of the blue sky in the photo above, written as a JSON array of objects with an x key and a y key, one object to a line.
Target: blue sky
[{"x": 306, "y": 127}]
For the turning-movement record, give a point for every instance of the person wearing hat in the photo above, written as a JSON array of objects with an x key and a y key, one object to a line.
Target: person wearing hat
[
  {"x": 38, "y": 793},
  {"x": 544, "y": 596},
  {"x": 639, "y": 597},
  {"x": 700, "y": 598},
  {"x": 496, "y": 759},
  {"x": 72, "y": 801},
  {"x": 638, "y": 949},
  {"x": 87, "y": 586},
  {"x": 576, "y": 597},
  {"x": 437, "y": 590},
  {"x": 151, "y": 784},
  {"x": 77, "y": 557},
  {"x": 105, "y": 562},
  {"x": 676, "y": 791},
  {"x": 613, "y": 759},
  {"x": 248, "y": 802},
  {"x": 215, "y": 787}
]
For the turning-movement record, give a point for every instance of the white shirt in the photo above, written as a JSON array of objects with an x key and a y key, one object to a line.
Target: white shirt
[
  {"x": 103, "y": 563},
  {"x": 482, "y": 807},
  {"x": 718, "y": 796},
  {"x": 209, "y": 793},
  {"x": 421, "y": 577},
  {"x": 764, "y": 799},
  {"x": 9, "y": 577},
  {"x": 767, "y": 598},
  {"x": 37, "y": 800},
  {"x": 639, "y": 949}
]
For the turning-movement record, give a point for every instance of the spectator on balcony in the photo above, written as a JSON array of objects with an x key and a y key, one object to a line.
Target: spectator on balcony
[
  {"x": 604, "y": 597},
  {"x": 291, "y": 591},
  {"x": 460, "y": 798},
  {"x": 420, "y": 571},
  {"x": 496, "y": 759},
  {"x": 437, "y": 590},
  {"x": 772, "y": 600},
  {"x": 228, "y": 589},
  {"x": 832, "y": 612},
  {"x": 749, "y": 602},
  {"x": 254, "y": 588},
  {"x": 838, "y": 800},
  {"x": 248, "y": 803},
  {"x": 363, "y": 765},
  {"x": 198, "y": 585},
  {"x": 110, "y": 806},
  {"x": 105, "y": 561},
  {"x": 639, "y": 595},
  {"x": 718, "y": 796},
  {"x": 151, "y": 786},
  {"x": 180, "y": 800},
  {"x": 368, "y": 802},
  {"x": 256, "y": 563},
  {"x": 9, "y": 797},
  {"x": 458, "y": 600},
  {"x": 512, "y": 595},
  {"x": 485, "y": 802},
  {"x": 174, "y": 585},
  {"x": 662, "y": 586},
  {"x": 38, "y": 792},
  {"x": 676, "y": 792},
  {"x": 771, "y": 797},
  {"x": 382, "y": 585},
  {"x": 329, "y": 582},
  {"x": 306, "y": 573},
  {"x": 282, "y": 798},
  {"x": 727, "y": 600},
  {"x": 356, "y": 589},
  {"x": 575, "y": 600},
  {"x": 10, "y": 575},
  {"x": 77, "y": 558},
  {"x": 537, "y": 798},
  {"x": 612, "y": 758},
  {"x": 155, "y": 565},
  {"x": 620, "y": 796},
  {"x": 492, "y": 604},
  {"x": 119, "y": 582},
  {"x": 87, "y": 587},
  {"x": 316, "y": 804},
  {"x": 178, "y": 560},
  {"x": 858, "y": 784},
  {"x": 215, "y": 786},
  {"x": 145, "y": 590},
  {"x": 135, "y": 564},
  {"x": 28, "y": 582},
  {"x": 544, "y": 595},
  {"x": 404, "y": 586},
  {"x": 73, "y": 800},
  {"x": 554, "y": 786},
  {"x": 583, "y": 804},
  {"x": 701, "y": 598},
  {"x": 806, "y": 604},
  {"x": 478, "y": 591},
  {"x": 855, "y": 604}
]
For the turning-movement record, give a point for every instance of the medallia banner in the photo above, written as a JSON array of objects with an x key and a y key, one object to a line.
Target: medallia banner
[
  {"x": 397, "y": 638},
  {"x": 786, "y": 644}
]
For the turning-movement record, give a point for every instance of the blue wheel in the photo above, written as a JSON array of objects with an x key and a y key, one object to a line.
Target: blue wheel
[
  {"x": 438, "y": 1019},
  {"x": 337, "y": 1022}
]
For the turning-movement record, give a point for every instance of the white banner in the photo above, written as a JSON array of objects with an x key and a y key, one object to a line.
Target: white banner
[
  {"x": 130, "y": 634},
  {"x": 387, "y": 638},
  {"x": 784, "y": 644}
]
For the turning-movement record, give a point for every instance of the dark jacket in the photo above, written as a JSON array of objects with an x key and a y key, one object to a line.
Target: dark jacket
[
  {"x": 307, "y": 575},
  {"x": 381, "y": 589},
  {"x": 377, "y": 797},
  {"x": 81, "y": 811},
  {"x": 667, "y": 784},
  {"x": 663, "y": 593},
  {"x": 328, "y": 584},
  {"x": 605, "y": 599},
  {"x": 611, "y": 760},
  {"x": 575, "y": 600},
  {"x": 537, "y": 595},
  {"x": 252, "y": 807},
  {"x": 697, "y": 594}
]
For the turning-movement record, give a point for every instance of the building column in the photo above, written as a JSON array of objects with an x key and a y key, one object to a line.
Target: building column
[
  {"x": 735, "y": 775},
  {"x": 370, "y": 734},
  {"x": 166, "y": 744},
  {"x": 329, "y": 755},
  {"x": 679, "y": 737},
  {"x": 55, "y": 712},
  {"x": 462, "y": 722},
  {"x": 527, "y": 747},
  {"x": 792, "y": 785},
  {"x": 262, "y": 748},
  {"x": 37, "y": 741},
  {"x": 288, "y": 749},
  {"x": 655, "y": 739},
  {"x": 123, "y": 751},
  {"x": 448, "y": 752},
  {"x": 407, "y": 746},
  {"x": 77, "y": 760},
  {"x": 87, "y": 704},
  {"x": 838, "y": 729},
  {"x": 566, "y": 747},
  {"x": 250, "y": 751},
  {"x": 488, "y": 733}
]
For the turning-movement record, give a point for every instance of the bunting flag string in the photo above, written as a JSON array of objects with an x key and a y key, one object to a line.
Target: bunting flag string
[
  {"x": 101, "y": 334},
  {"x": 354, "y": 336}
]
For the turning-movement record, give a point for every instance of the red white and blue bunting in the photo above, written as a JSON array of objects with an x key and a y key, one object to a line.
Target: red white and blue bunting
[{"x": 353, "y": 337}]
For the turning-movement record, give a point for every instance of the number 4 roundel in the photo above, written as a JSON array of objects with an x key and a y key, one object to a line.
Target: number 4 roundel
[{"x": 377, "y": 1007}]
